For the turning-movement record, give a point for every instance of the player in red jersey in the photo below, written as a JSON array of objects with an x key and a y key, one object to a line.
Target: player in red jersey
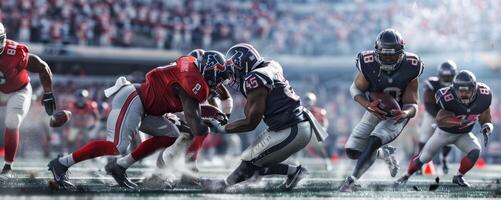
[
  {"x": 15, "y": 62},
  {"x": 85, "y": 115},
  {"x": 179, "y": 86}
]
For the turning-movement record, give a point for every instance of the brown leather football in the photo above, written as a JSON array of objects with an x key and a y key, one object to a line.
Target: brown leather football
[
  {"x": 388, "y": 103},
  {"x": 60, "y": 118}
]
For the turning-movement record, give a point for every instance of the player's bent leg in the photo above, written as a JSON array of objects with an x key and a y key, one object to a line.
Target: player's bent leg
[
  {"x": 367, "y": 157},
  {"x": 16, "y": 109},
  {"x": 469, "y": 144},
  {"x": 123, "y": 121},
  {"x": 279, "y": 149},
  {"x": 270, "y": 149},
  {"x": 431, "y": 148},
  {"x": 358, "y": 138},
  {"x": 387, "y": 131}
]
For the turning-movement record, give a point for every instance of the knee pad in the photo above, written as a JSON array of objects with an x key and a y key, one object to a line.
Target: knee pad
[
  {"x": 353, "y": 154},
  {"x": 13, "y": 120}
]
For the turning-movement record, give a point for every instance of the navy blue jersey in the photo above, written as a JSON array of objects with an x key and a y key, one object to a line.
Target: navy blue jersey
[
  {"x": 393, "y": 83},
  {"x": 283, "y": 106},
  {"x": 449, "y": 102},
  {"x": 433, "y": 84}
]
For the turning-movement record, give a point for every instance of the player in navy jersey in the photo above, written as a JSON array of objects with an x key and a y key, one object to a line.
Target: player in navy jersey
[
  {"x": 446, "y": 72},
  {"x": 389, "y": 69},
  {"x": 269, "y": 98},
  {"x": 461, "y": 106}
]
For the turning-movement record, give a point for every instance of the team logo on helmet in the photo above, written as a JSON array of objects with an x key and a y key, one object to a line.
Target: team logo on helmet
[
  {"x": 214, "y": 64},
  {"x": 236, "y": 59}
]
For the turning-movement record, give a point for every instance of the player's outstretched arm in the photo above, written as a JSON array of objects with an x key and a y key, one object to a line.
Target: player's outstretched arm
[
  {"x": 37, "y": 65},
  {"x": 192, "y": 113},
  {"x": 430, "y": 102},
  {"x": 254, "y": 111}
]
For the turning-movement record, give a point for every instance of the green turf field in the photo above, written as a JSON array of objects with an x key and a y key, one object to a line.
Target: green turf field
[{"x": 93, "y": 183}]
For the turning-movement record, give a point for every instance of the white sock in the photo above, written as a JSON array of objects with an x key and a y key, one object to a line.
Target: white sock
[
  {"x": 8, "y": 163},
  {"x": 459, "y": 174},
  {"x": 67, "y": 160},
  {"x": 126, "y": 161}
]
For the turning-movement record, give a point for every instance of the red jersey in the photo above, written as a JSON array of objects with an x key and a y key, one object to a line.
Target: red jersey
[
  {"x": 158, "y": 95},
  {"x": 13, "y": 63},
  {"x": 84, "y": 116}
]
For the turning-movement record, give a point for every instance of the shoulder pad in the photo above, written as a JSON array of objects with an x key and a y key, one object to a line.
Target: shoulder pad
[
  {"x": 484, "y": 89},
  {"x": 414, "y": 61},
  {"x": 190, "y": 79},
  {"x": 255, "y": 80},
  {"x": 271, "y": 68},
  {"x": 363, "y": 58},
  {"x": 429, "y": 83},
  {"x": 185, "y": 63},
  {"x": 443, "y": 96}
]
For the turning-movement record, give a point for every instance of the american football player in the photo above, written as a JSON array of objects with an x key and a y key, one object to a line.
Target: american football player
[
  {"x": 85, "y": 115},
  {"x": 15, "y": 62},
  {"x": 389, "y": 69},
  {"x": 193, "y": 147},
  {"x": 462, "y": 104},
  {"x": 176, "y": 87},
  {"x": 446, "y": 72},
  {"x": 272, "y": 99}
]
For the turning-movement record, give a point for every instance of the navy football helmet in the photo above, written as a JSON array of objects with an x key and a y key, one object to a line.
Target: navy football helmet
[
  {"x": 242, "y": 58},
  {"x": 197, "y": 53},
  {"x": 213, "y": 68},
  {"x": 465, "y": 86},
  {"x": 446, "y": 72},
  {"x": 389, "y": 49}
]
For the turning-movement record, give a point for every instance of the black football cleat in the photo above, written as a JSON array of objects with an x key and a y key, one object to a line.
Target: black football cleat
[
  {"x": 60, "y": 174},
  {"x": 6, "y": 174},
  {"x": 402, "y": 180},
  {"x": 459, "y": 180},
  {"x": 118, "y": 173},
  {"x": 293, "y": 179}
]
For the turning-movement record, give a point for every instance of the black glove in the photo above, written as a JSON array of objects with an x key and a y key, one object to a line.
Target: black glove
[{"x": 49, "y": 102}]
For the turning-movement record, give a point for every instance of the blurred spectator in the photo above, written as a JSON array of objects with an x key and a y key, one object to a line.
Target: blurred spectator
[{"x": 291, "y": 27}]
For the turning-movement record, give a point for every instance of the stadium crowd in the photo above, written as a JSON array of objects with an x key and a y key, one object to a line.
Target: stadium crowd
[{"x": 285, "y": 27}]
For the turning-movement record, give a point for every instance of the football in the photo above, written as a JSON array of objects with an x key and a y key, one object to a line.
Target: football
[
  {"x": 209, "y": 111},
  {"x": 60, "y": 118},
  {"x": 388, "y": 103}
]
